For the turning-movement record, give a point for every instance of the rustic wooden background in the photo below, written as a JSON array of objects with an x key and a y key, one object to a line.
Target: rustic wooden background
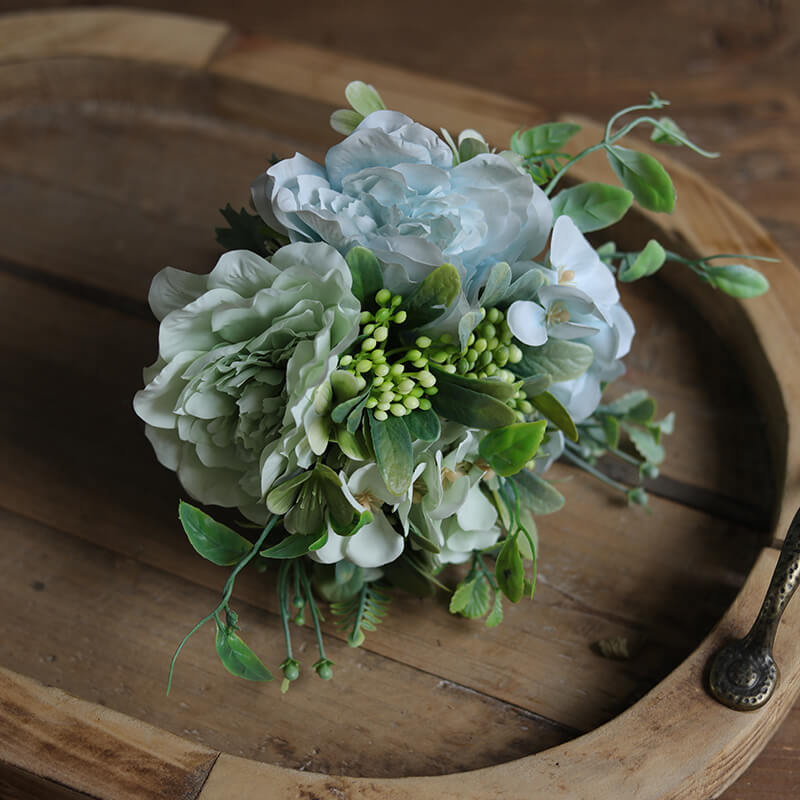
[{"x": 730, "y": 68}]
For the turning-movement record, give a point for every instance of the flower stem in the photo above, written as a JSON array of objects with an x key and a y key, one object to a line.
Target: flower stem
[{"x": 584, "y": 465}]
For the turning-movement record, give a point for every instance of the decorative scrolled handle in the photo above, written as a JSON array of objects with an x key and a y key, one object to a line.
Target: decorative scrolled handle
[{"x": 744, "y": 673}]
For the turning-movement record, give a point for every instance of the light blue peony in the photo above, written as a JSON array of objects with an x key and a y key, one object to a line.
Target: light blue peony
[{"x": 391, "y": 186}]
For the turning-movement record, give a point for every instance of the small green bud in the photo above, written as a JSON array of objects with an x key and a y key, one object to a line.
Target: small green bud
[
  {"x": 439, "y": 356},
  {"x": 383, "y": 316},
  {"x": 472, "y": 355},
  {"x": 483, "y": 313},
  {"x": 381, "y": 415},
  {"x": 525, "y": 407},
  {"x": 411, "y": 402},
  {"x": 386, "y": 397},
  {"x": 397, "y": 369},
  {"x": 400, "y": 317},
  {"x": 423, "y": 342},
  {"x": 514, "y": 354},
  {"x": 493, "y": 343},
  {"x": 381, "y": 370},
  {"x": 345, "y": 361},
  {"x": 364, "y": 365},
  {"x": 449, "y": 368},
  {"x": 365, "y": 317},
  {"x": 488, "y": 330},
  {"x": 383, "y": 297},
  {"x": 471, "y": 340},
  {"x": 398, "y": 410},
  {"x": 298, "y": 601},
  {"x": 491, "y": 369},
  {"x": 405, "y": 386},
  {"x": 371, "y": 402},
  {"x": 368, "y": 344},
  {"x": 420, "y": 363},
  {"x": 361, "y": 383},
  {"x": 413, "y": 355},
  {"x": 446, "y": 338},
  {"x": 417, "y": 391},
  {"x": 368, "y": 329},
  {"x": 378, "y": 356},
  {"x": 501, "y": 356},
  {"x": 432, "y": 390},
  {"x": 462, "y": 365},
  {"x": 291, "y": 670},
  {"x": 300, "y": 618},
  {"x": 324, "y": 671},
  {"x": 473, "y": 375},
  {"x": 637, "y": 496},
  {"x": 649, "y": 471},
  {"x": 426, "y": 379},
  {"x": 396, "y": 300},
  {"x": 494, "y": 315},
  {"x": 480, "y": 344},
  {"x": 425, "y": 404},
  {"x": 484, "y": 358}
]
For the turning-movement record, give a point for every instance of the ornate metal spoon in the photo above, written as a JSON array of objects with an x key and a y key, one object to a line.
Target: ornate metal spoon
[{"x": 744, "y": 673}]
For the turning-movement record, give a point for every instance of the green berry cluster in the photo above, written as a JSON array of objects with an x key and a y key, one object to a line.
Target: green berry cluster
[
  {"x": 490, "y": 348},
  {"x": 397, "y": 386}
]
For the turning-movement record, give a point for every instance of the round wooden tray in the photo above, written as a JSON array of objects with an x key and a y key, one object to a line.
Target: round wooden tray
[{"x": 121, "y": 133}]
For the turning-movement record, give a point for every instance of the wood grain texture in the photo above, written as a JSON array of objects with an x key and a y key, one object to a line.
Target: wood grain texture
[
  {"x": 91, "y": 749},
  {"x": 245, "y": 58}
]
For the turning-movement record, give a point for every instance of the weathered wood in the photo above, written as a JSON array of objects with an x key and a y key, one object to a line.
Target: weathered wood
[
  {"x": 91, "y": 749},
  {"x": 574, "y": 589},
  {"x": 104, "y": 626},
  {"x": 675, "y": 743}
]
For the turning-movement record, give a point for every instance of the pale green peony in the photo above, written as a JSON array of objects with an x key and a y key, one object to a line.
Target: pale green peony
[{"x": 229, "y": 403}]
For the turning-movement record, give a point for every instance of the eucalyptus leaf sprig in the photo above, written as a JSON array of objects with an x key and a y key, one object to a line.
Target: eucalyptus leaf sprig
[{"x": 736, "y": 280}]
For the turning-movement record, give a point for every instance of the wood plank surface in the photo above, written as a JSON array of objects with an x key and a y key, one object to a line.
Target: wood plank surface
[{"x": 107, "y": 127}]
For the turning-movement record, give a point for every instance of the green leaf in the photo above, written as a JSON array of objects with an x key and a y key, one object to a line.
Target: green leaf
[
  {"x": 334, "y": 587},
  {"x": 543, "y": 139},
  {"x": 524, "y": 287},
  {"x": 737, "y": 280},
  {"x": 549, "y": 406},
  {"x": 469, "y": 147},
  {"x": 238, "y": 658},
  {"x": 393, "y": 452},
  {"x": 466, "y": 325},
  {"x": 343, "y": 410},
  {"x": 471, "y": 599},
  {"x": 473, "y": 409},
  {"x": 537, "y": 495},
  {"x": 649, "y": 261},
  {"x": 432, "y": 296},
  {"x": 403, "y": 575},
  {"x": 646, "y": 444},
  {"x": 283, "y": 496},
  {"x": 345, "y": 385},
  {"x": 354, "y": 417},
  {"x": 510, "y": 571},
  {"x": 536, "y": 384},
  {"x": 212, "y": 540},
  {"x": 663, "y": 132},
  {"x": 366, "y": 271},
  {"x": 494, "y": 387},
  {"x": 496, "y": 615},
  {"x": 296, "y": 545},
  {"x": 497, "y": 284},
  {"x": 644, "y": 176},
  {"x": 354, "y": 525},
  {"x": 352, "y": 444},
  {"x": 509, "y": 449},
  {"x": 248, "y": 231},
  {"x": 345, "y": 120},
  {"x": 561, "y": 359},
  {"x": 642, "y": 412},
  {"x": 625, "y": 404},
  {"x": 610, "y": 430},
  {"x": 423, "y": 425},
  {"x": 363, "y": 97},
  {"x": 592, "y": 206}
]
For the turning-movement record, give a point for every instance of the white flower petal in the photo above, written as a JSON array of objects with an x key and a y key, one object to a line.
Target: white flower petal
[
  {"x": 526, "y": 320},
  {"x": 374, "y": 545}
]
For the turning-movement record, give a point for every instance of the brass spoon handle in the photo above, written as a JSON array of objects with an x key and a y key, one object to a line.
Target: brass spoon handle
[{"x": 744, "y": 673}]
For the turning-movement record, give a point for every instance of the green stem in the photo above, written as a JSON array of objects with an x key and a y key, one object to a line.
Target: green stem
[
  {"x": 283, "y": 603},
  {"x": 313, "y": 606},
  {"x": 226, "y": 595},
  {"x": 579, "y": 462}
]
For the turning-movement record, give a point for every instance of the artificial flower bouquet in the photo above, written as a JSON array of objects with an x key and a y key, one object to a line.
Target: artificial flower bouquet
[{"x": 393, "y": 350}]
